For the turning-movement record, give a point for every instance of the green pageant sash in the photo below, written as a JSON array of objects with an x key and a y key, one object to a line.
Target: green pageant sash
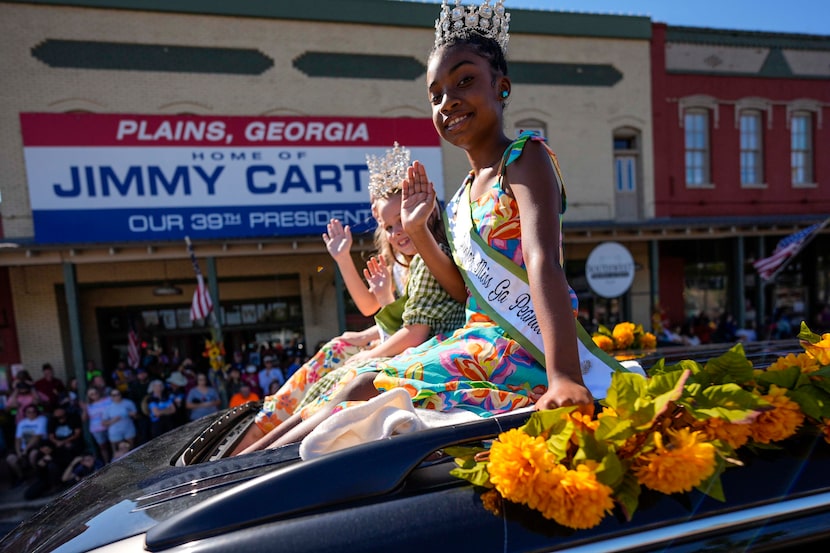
[{"x": 500, "y": 287}]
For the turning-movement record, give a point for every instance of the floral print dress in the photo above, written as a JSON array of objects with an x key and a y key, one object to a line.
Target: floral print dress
[{"x": 479, "y": 367}]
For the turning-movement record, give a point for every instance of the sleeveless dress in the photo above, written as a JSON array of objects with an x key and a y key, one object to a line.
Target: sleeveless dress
[{"x": 479, "y": 367}]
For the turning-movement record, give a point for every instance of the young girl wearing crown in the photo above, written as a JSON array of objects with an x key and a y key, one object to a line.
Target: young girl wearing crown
[
  {"x": 423, "y": 308},
  {"x": 521, "y": 345}
]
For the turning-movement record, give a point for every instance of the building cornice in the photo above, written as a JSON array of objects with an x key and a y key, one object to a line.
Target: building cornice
[{"x": 378, "y": 12}]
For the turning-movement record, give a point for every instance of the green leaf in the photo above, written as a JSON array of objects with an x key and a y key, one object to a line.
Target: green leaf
[
  {"x": 550, "y": 420},
  {"x": 628, "y": 495},
  {"x": 731, "y": 366},
  {"x": 727, "y": 401},
  {"x": 611, "y": 471},
  {"x": 626, "y": 388},
  {"x": 663, "y": 383},
  {"x": 463, "y": 451},
  {"x": 614, "y": 430},
  {"x": 808, "y": 335},
  {"x": 712, "y": 486},
  {"x": 784, "y": 378},
  {"x": 477, "y": 475},
  {"x": 814, "y": 402},
  {"x": 559, "y": 441}
]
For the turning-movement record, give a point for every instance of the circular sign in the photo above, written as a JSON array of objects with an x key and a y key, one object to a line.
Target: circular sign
[{"x": 610, "y": 270}]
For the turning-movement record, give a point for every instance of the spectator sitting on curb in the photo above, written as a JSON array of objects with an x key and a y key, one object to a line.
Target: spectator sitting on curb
[{"x": 81, "y": 467}]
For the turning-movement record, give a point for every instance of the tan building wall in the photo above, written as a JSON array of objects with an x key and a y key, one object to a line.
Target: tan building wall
[{"x": 580, "y": 122}]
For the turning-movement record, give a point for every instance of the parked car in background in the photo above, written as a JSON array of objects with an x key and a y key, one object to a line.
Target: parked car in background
[{"x": 180, "y": 492}]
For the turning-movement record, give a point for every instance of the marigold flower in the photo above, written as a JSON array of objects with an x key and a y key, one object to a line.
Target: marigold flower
[
  {"x": 579, "y": 500},
  {"x": 623, "y": 335},
  {"x": 648, "y": 341},
  {"x": 678, "y": 466},
  {"x": 820, "y": 350},
  {"x": 516, "y": 461},
  {"x": 779, "y": 423},
  {"x": 491, "y": 500},
  {"x": 605, "y": 343},
  {"x": 734, "y": 434},
  {"x": 825, "y": 429},
  {"x": 806, "y": 362},
  {"x": 583, "y": 421}
]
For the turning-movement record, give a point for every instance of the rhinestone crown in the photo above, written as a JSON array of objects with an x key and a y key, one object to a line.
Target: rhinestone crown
[
  {"x": 490, "y": 21},
  {"x": 388, "y": 172}
]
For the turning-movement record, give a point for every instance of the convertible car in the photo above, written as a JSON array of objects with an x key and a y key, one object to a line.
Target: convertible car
[{"x": 182, "y": 492}]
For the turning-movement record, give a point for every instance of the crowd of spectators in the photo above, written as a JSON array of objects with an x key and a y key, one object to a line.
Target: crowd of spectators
[{"x": 52, "y": 435}]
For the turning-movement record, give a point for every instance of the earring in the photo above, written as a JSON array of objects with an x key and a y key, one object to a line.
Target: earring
[{"x": 504, "y": 94}]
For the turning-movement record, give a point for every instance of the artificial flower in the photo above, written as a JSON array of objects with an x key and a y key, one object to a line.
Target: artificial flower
[
  {"x": 623, "y": 335},
  {"x": 603, "y": 342},
  {"x": 820, "y": 350},
  {"x": 678, "y": 466},
  {"x": 516, "y": 460},
  {"x": 734, "y": 434},
  {"x": 579, "y": 500},
  {"x": 806, "y": 362},
  {"x": 779, "y": 423},
  {"x": 648, "y": 341},
  {"x": 675, "y": 432}
]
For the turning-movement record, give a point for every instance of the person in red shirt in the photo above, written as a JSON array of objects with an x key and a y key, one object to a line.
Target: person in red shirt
[
  {"x": 50, "y": 386},
  {"x": 243, "y": 396}
]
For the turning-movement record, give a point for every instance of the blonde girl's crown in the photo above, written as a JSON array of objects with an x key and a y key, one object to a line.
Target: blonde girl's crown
[
  {"x": 388, "y": 172},
  {"x": 489, "y": 21}
]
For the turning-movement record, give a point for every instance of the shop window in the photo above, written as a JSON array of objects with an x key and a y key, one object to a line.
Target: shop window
[{"x": 752, "y": 148}]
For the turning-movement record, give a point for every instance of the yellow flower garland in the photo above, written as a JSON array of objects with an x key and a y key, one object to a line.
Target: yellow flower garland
[
  {"x": 676, "y": 431},
  {"x": 624, "y": 336}
]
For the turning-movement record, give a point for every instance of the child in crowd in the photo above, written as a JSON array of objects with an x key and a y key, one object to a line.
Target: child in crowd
[{"x": 423, "y": 309}]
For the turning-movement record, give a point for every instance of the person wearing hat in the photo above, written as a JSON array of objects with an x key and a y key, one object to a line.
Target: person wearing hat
[
  {"x": 269, "y": 373},
  {"x": 23, "y": 395},
  {"x": 160, "y": 408},
  {"x": 251, "y": 379},
  {"x": 178, "y": 385}
]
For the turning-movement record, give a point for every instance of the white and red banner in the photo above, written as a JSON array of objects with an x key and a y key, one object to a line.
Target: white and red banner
[{"x": 127, "y": 177}]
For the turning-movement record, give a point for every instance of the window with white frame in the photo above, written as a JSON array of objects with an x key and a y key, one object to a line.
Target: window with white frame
[
  {"x": 532, "y": 125},
  {"x": 752, "y": 149},
  {"x": 801, "y": 147},
  {"x": 696, "y": 126}
]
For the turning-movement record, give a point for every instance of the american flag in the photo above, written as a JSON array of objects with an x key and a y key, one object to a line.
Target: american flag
[
  {"x": 785, "y": 250},
  {"x": 202, "y": 304},
  {"x": 133, "y": 349}
]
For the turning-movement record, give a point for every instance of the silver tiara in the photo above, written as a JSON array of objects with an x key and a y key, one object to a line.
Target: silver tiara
[
  {"x": 490, "y": 21},
  {"x": 388, "y": 172}
]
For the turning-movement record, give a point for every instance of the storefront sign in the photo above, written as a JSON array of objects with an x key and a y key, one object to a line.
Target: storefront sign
[
  {"x": 610, "y": 270},
  {"x": 121, "y": 177}
]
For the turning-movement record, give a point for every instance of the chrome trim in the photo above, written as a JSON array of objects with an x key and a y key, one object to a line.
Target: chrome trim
[{"x": 704, "y": 525}]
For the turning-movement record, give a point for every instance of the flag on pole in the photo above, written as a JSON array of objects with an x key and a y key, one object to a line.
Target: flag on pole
[
  {"x": 133, "y": 349},
  {"x": 202, "y": 304},
  {"x": 785, "y": 250}
]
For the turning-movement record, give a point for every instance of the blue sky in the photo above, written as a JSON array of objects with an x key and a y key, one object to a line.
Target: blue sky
[{"x": 785, "y": 16}]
